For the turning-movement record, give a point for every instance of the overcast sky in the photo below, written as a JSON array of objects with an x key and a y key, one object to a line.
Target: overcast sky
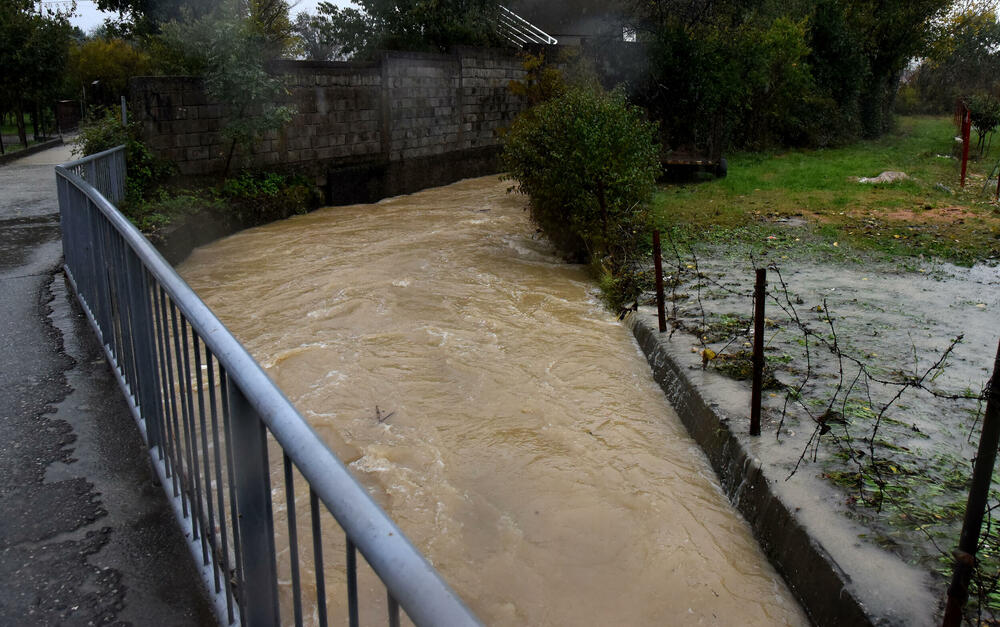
[{"x": 87, "y": 16}]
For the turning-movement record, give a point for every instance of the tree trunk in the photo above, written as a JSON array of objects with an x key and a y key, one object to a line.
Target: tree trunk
[
  {"x": 22, "y": 134},
  {"x": 229, "y": 159},
  {"x": 34, "y": 122}
]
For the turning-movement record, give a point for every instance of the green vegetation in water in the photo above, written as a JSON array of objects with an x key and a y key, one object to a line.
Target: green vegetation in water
[
  {"x": 739, "y": 366},
  {"x": 911, "y": 497},
  {"x": 248, "y": 199},
  {"x": 808, "y": 203},
  {"x": 588, "y": 161}
]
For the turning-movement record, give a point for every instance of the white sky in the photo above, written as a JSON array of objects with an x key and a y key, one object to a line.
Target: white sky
[{"x": 87, "y": 17}]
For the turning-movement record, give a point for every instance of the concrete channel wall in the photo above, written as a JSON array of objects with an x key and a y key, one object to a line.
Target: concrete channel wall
[
  {"x": 801, "y": 526},
  {"x": 363, "y": 130}
]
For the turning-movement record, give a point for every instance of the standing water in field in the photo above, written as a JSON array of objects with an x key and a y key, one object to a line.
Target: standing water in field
[{"x": 504, "y": 419}]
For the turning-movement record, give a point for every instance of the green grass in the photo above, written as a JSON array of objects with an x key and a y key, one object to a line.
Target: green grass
[
  {"x": 843, "y": 218},
  {"x": 8, "y": 124},
  {"x": 8, "y": 128}
]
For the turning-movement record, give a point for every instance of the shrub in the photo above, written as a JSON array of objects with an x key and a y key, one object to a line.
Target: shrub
[
  {"x": 985, "y": 113},
  {"x": 589, "y": 161},
  {"x": 165, "y": 207},
  {"x": 261, "y": 197},
  {"x": 103, "y": 130},
  {"x": 249, "y": 199}
]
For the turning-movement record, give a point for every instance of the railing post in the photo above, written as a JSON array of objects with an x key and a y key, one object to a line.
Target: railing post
[
  {"x": 150, "y": 402},
  {"x": 91, "y": 176},
  {"x": 254, "y": 517}
]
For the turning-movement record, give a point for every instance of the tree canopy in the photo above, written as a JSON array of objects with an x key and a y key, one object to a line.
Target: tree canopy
[
  {"x": 33, "y": 52},
  {"x": 427, "y": 25},
  {"x": 963, "y": 59},
  {"x": 231, "y": 48},
  {"x": 776, "y": 71}
]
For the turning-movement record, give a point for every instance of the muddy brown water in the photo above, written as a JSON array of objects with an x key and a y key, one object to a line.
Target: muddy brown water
[{"x": 527, "y": 450}]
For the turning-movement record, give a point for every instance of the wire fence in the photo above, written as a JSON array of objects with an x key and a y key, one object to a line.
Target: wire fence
[{"x": 898, "y": 440}]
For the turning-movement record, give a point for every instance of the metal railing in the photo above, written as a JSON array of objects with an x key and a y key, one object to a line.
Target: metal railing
[
  {"x": 520, "y": 31},
  {"x": 105, "y": 171},
  {"x": 208, "y": 413}
]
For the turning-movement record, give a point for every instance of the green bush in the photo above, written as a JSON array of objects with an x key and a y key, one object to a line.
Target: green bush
[
  {"x": 261, "y": 197},
  {"x": 984, "y": 110},
  {"x": 589, "y": 161},
  {"x": 165, "y": 207},
  {"x": 103, "y": 130},
  {"x": 249, "y": 199}
]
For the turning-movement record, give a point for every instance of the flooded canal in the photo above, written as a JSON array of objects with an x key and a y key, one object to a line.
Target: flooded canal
[{"x": 504, "y": 419}]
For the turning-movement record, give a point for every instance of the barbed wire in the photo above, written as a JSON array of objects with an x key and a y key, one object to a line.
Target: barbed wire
[{"x": 853, "y": 376}]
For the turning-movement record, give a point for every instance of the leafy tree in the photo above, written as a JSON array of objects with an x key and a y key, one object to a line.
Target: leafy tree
[
  {"x": 889, "y": 34},
  {"x": 33, "y": 51},
  {"x": 110, "y": 61},
  {"x": 550, "y": 74},
  {"x": 588, "y": 160},
  {"x": 984, "y": 110},
  {"x": 146, "y": 17},
  {"x": 313, "y": 42},
  {"x": 103, "y": 130},
  {"x": 234, "y": 46},
  {"x": 431, "y": 25},
  {"x": 964, "y": 58},
  {"x": 753, "y": 72},
  {"x": 727, "y": 80},
  {"x": 269, "y": 24}
]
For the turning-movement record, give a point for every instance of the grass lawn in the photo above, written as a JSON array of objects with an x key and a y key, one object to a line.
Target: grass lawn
[{"x": 928, "y": 215}]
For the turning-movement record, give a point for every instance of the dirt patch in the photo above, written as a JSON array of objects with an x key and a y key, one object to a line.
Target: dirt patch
[
  {"x": 937, "y": 215},
  {"x": 914, "y": 216}
]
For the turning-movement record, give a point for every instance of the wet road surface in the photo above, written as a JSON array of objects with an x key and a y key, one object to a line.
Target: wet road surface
[{"x": 86, "y": 536}]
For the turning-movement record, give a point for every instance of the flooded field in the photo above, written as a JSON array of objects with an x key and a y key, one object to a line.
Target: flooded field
[
  {"x": 507, "y": 422},
  {"x": 891, "y": 418}
]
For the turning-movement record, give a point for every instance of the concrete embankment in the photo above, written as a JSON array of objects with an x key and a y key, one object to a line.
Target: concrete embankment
[{"x": 800, "y": 521}]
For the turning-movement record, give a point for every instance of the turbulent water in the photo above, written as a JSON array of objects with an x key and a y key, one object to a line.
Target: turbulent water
[{"x": 523, "y": 445}]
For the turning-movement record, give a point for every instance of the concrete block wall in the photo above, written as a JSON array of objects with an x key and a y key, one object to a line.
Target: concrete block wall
[
  {"x": 405, "y": 106},
  {"x": 487, "y": 104}
]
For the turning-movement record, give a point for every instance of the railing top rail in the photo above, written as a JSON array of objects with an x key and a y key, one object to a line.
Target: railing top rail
[
  {"x": 520, "y": 26},
  {"x": 94, "y": 157},
  {"x": 409, "y": 578}
]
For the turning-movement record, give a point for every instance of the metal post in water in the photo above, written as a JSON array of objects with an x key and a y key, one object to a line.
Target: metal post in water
[
  {"x": 758, "y": 351},
  {"x": 658, "y": 263},
  {"x": 982, "y": 474}
]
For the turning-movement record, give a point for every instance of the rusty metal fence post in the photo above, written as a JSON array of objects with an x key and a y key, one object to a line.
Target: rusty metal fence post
[
  {"x": 658, "y": 264},
  {"x": 982, "y": 474},
  {"x": 966, "y": 135},
  {"x": 758, "y": 351}
]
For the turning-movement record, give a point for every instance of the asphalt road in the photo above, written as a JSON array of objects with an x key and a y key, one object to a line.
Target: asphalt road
[{"x": 86, "y": 535}]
